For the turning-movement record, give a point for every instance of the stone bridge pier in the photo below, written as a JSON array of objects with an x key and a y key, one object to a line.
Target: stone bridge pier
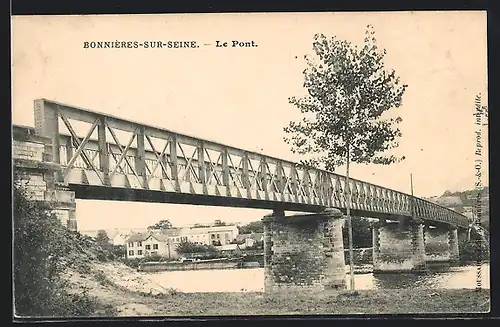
[
  {"x": 32, "y": 162},
  {"x": 398, "y": 246},
  {"x": 441, "y": 245},
  {"x": 304, "y": 252}
]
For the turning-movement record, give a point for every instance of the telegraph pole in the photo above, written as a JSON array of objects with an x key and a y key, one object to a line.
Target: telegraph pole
[
  {"x": 411, "y": 184},
  {"x": 412, "y": 198}
]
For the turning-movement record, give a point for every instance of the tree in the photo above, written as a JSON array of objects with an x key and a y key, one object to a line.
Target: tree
[
  {"x": 348, "y": 92},
  {"x": 188, "y": 247},
  {"x": 162, "y": 224},
  {"x": 251, "y": 227},
  {"x": 361, "y": 233},
  {"x": 102, "y": 237},
  {"x": 120, "y": 251}
]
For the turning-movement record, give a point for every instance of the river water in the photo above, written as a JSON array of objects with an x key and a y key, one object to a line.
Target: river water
[{"x": 252, "y": 280}]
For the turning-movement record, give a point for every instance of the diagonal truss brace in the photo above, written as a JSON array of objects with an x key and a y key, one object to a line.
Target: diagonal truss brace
[
  {"x": 123, "y": 154},
  {"x": 159, "y": 158},
  {"x": 81, "y": 145}
]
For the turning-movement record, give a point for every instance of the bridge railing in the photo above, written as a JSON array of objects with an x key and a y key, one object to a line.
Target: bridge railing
[{"x": 187, "y": 164}]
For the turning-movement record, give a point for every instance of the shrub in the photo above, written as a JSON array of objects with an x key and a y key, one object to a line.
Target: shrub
[
  {"x": 133, "y": 262},
  {"x": 41, "y": 247},
  {"x": 190, "y": 247},
  {"x": 472, "y": 250}
]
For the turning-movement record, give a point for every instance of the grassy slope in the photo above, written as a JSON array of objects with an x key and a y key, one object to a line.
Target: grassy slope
[
  {"x": 130, "y": 301},
  {"x": 123, "y": 291},
  {"x": 367, "y": 302}
]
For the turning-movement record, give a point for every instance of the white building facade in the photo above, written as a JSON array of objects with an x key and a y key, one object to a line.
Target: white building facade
[{"x": 164, "y": 243}]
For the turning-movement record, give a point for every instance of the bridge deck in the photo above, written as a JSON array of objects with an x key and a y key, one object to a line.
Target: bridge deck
[{"x": 163, "y": 166}]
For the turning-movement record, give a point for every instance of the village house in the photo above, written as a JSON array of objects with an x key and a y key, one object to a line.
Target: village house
[
  {"x": 248, "y": 240},
  {"x": 120, "y": 239},
  {"x": 229, "y": 248},
  {"x": 152, "y": 243},
  {"x": 117, "y": 236},
  {"x": 164, "y": 242}
]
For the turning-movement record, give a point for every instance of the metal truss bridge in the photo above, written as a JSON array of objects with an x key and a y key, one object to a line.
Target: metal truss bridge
[{"x": 153, "y": 164}]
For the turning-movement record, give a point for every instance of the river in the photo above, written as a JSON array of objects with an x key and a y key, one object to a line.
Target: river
[{"x": 252, "y": 280}]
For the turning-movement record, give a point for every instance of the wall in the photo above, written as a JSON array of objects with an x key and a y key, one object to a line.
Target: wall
[
  {"x": 437, "y": 244},
  {"x": 398, "y": 247},
  {"x": 166, "y": 248},
  {"x": 151, "y": 241},
  {"x": 303, "y": 254},
  {"x": 32, "y": 161},
  {"x": 171, "y": 249}
]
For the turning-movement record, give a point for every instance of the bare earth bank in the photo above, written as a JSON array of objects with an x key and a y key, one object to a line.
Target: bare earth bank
[{"x": 133, "y": 294}]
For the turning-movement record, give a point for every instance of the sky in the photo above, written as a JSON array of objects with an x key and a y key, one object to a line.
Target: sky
[{"x": 239, "y": 96}]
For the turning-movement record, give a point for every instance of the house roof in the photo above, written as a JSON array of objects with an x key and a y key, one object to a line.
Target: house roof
[
  {"x": 160, "y": 235},
  {"x": 138, "y": 237},
  {"x": 163, "y": 235},
  {"x": 166, "y": 232},
  {"x": 193, "y": 231},
  {"x": 205, "y": 230}
]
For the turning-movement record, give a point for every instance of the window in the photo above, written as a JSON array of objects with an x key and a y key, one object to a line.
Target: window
[
  {"x": 154, "y": 253},
  {"x": 148, "y": 247},
  {"x": 131, "y": 252},
  {"x": 131, "y": 244},
  {"x": 213, "y": 236},
  {"x": 155, "y": 246},
  {"x": 177, "y": 239},
  {"x": 218, "y": 236},
  {"x": 139, "y": 243},
  {"x": 139, "y": 252}
]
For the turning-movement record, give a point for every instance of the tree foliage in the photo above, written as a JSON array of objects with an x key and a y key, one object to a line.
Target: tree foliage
[
  {"x": 162, "y": 224},
  {"x": 102, "y": 237},
  {"x": 361, "y": 232},
  {"x": 471, "y": 248},
  {"x": 251, "y": 227},
  {"x": 186, "y": 247},
  {"x": 119, "y": 251},
  {"x": 348, "y": 92}
]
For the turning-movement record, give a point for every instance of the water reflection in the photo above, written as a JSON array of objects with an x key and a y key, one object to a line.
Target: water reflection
[{"x": 251, "y": 280}]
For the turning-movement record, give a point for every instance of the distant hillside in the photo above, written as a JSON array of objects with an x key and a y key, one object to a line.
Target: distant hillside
[{"x": 466, "y": 202}]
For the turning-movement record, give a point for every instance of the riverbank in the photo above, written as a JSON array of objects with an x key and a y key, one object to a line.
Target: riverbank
[
  {"x": 326, "y": 303},
  {"x": 130, "y": 293}
]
